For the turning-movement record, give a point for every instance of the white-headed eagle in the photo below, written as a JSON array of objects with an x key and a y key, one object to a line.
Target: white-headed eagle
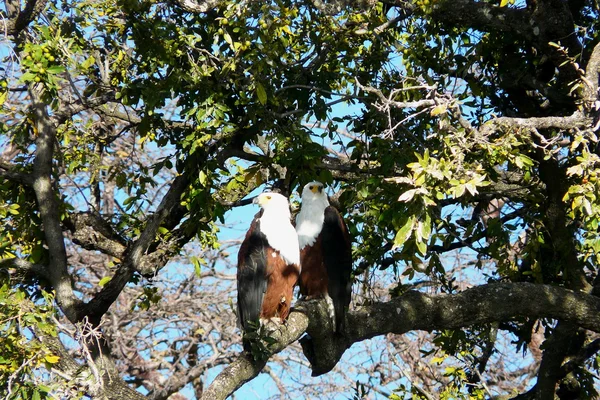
[
  {"x": 268, "y": 263},
  {"x": 325, "y": 252}
]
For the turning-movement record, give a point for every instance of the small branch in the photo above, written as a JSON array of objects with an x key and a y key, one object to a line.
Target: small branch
[
  {"x": 318, "y": 89},
  {"x": 387, "y": 101},
  {"x": 79, "y": 374},
  {"x": 381, "y": 28},
  {"x": 586, "y": 353},
  {"x": 68, "y": 110}
]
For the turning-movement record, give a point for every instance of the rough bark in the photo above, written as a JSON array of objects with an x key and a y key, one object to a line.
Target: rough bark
[
  {"x": 415, "y": 311},
  {"x": 49, "y": 207}
]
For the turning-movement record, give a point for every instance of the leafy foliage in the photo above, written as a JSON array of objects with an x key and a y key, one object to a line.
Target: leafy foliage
[{"x": 460, "y": 136}]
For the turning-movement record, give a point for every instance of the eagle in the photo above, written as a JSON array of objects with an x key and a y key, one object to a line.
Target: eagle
[
  {"x": 268, "y": 263},
  {"x": 325, "y": 253}
]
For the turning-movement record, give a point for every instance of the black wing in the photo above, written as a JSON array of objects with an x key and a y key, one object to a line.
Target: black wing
[
  {"x": 251, "y": 274},
  {"x": 337, "y": 257}
]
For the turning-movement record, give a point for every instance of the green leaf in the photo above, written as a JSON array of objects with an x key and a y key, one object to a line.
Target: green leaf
[
  {"x": 425, "y": 227},
  {"x": 104, "y": 281},
  {"x": 27, "y": 77},
  {"x": 437, "y": 110},
  {"x": 261, "y": 93},
  {"x": 57, "y": 69},
  {"x": 88, "y": 62},
  {"x": 52, "y": 359},
  {"x": 422, "y": 247},
  {"x": 404, "y": 233},
  {"x": 202, "y": 177}
]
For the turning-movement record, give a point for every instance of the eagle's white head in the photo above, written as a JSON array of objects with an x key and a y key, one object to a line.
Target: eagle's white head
[
  {"x": 309, "y": 221},
  {"x": 274, "y": 203},
  {"x": 313, "y": 193}
]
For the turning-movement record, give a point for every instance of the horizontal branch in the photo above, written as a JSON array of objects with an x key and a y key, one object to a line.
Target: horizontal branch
[
  {"x": 24, "y": 268},
  {"x": 414, "y": 311},
  {"x": 7, "y": 171},
  {"x": 198, "y": 7},
  {"x": 576, "y": 120},
  {"x": 484, "y": 17}
]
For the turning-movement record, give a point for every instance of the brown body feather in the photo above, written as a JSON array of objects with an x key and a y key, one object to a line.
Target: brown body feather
[
  {"x": 265, "y": 279},
  {"x": 327, "y": 265},
  {"x": 313, "y": 280},
  {"x": 281, "y": 278}
]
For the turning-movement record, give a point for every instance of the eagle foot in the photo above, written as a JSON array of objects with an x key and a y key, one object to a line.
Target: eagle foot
[{"x": 270, "y": 324}]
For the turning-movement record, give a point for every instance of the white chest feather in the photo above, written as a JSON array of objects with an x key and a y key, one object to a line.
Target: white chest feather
[
  {"x": 281, "y": 236},
  {"x": 309, "y": 222}
]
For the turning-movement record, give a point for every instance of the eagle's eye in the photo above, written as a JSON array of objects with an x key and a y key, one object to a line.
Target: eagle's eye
[{"x": 311, "y": 187}]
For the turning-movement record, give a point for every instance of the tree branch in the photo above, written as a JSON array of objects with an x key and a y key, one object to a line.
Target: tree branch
[
  {"x": 135, "y": 254},
  {"x": 92, "y": 232},
  {"x": 591, "y": 77},
  {"x": 23, "y": 18},
  {"x": 483, "y": 16},
  {"x": 23, "y": 267},
  {"x": 415, "y": 311},
  {"x": 244, "y": 368},
  {"x": 198, "y": 7},
  {"x": 576, "y": 120},
  {"x": 7, "y": 172},
  {"x": 113, "y": 387},
  {"x": 49, "y": 208}
]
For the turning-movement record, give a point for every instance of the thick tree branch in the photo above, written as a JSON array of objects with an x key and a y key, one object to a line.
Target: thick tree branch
[
  {"x": 556, "y": 349},
  {"x": 49, "y": 208},
  {"x": 140, "y": 256},
  {"x": 135, "y": 254},
  {"x": 20, "y": 20},
  {"x": 482, "y": 16},
  {"x": 416, "y": 311},
  {"x": 591, "y": 77},
  {"x": 91, "y": 232},
  {"x": 576, "y": 120}
]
